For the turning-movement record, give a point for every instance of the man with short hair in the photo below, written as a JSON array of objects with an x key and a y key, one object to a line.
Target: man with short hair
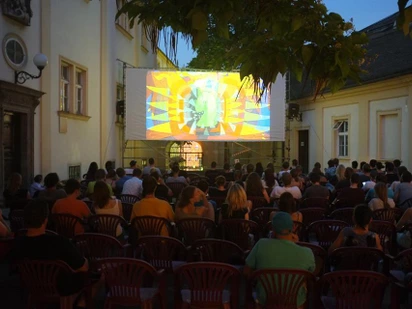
[
  {"x": 316, "y": 190},
  {"x": 372, "y": 164},
  {"x": 355, "y": 165},
  {"x": 280, "y": 251},
  {"x": 122, "y": 179},
  {"x": 148, "y": 169},
  {"x": 331, "y": 170},
  {"x": 249, "y": 169},
  {"x": 285, "y": 169},
  {"x": 391, "y": 176},
  {"x": 133, "y": 165},
  {"x": 370, "y": 184},
  {"x": 352, "y": 195},
  {"x": 366, "y": 173},
  {"x": 100, "y": 175},
  {"x": 71, "y": 205},
  {"x": 37, "y": 245},
  {"x": 212, "y": 173},
  {"x": 133, "y": 186},
  {"x": 150, "y": 205}
]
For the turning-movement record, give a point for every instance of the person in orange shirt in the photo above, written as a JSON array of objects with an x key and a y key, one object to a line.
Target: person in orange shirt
[
  {"x": 149, "y": 205},
  {"x": 71, "y": 205}
]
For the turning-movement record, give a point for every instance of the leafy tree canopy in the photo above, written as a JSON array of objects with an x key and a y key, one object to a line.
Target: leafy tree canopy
[{"x": 261, "y": 38}]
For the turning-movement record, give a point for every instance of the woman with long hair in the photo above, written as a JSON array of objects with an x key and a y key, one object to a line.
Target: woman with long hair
[
  {"x": 269, "y": 181},
  {"x": 381, "y": 199},
  {"x": 287, "y": 203},
  {"x": 237, "y": 206},
  {"x": 104, "y": 204},
  {"x": 339, "y": 175},
  {"x": 90, "y": 175},
  {"x": 13, "y": 190},
  {"x": 296, "y": 180},
  {"x": 185, "y": 206},
  {"x": 254, "y": 187},
  {"x": 358, "y": 235}
]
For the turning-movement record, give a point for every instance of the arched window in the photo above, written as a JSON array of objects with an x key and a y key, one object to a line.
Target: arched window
[{"x": 189, "y": 155}]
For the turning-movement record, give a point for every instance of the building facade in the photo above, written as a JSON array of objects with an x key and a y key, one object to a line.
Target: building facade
[
  {"x": 361, "y": 122},
  {"x": 68, "y": 117}
]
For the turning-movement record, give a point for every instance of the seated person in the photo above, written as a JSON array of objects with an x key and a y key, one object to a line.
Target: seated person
[
  {"x": 176, "y": 176},
  {"x": 185, "y": 207},
  {"x": 359, "y": 235},
  {"x": 287, "y": 204},
  {"x": 381, "y": 201},
  {"x": 133, "y": 186},
  {"x": 204, "y": 186},
  {"x": 51, "y": 194},
  {"x": 237, "y": 206},
  {"x": 371, "y": 193},
  {"x": 254, "y": 187},
  {"x": 99, "y": 176},
  {"x": 280, "y": 251},
  {"x": 71, "y": 205},
  {"x": 370, "y": 184},
  {"x": 13, "y": 191},
  {"x": 212, "y": 173},
  {"x": 5, "y": 231},
  {"x": 121, "y": 173},
  {"x": 403, "y": 190},
  {"x": 352, "y": 196},
  {"x": 149, "y": 205},
  {"x": 316, "y": 190},
  {"x": 162, "y": 190},
  {"x": 286, "y": 180},
  {"x": 219, "y": 190},
  {"x": 37, "y": 245},
  {"x": 36, "y": 185}
]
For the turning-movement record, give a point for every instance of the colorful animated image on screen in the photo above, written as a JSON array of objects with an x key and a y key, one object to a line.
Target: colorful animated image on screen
[{"x": 204, "y": 106}]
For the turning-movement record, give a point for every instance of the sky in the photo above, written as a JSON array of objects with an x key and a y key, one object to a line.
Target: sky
[{"x": 363, "y": 13}]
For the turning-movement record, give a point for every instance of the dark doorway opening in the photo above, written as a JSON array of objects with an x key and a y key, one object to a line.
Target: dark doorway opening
[{"x": 12, "y": 143}]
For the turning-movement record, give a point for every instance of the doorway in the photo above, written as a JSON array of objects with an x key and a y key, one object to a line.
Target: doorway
[{"x": 304, "y": 150}]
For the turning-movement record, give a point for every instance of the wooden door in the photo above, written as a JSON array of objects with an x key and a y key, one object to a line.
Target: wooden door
[{"x": 304, "y": 150}]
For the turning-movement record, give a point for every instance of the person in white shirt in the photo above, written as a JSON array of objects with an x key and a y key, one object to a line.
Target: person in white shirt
[
  {"x": 134, "y": 186},
  {"x": 148, "y": 169},
  {"x": 286, "y": 180}
]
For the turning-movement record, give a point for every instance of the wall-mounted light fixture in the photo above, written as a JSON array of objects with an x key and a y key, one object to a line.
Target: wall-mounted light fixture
[{"x": 40, "y": 61}]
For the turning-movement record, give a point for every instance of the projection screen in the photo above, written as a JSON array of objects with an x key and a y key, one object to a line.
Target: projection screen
[{"x": 205, "y": 106}]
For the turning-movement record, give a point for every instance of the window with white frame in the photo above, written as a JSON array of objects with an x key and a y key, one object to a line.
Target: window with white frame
[
  {"x": 73, "y": 82},
  {"x": 122, "y": 21},
  {"x": 341, "y": 128}
]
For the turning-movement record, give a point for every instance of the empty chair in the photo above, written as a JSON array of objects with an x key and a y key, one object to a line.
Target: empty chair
[
  {"x": 95, "y": 246},
  {"x": 325, "y": 231},
  {"x": 343, "y": 214},
  {"x": 207, "y": 285},
  {"x": 282, "y": 288},
  {"x": 387, "y": 234},
  {"x": 161, "y": 252},
  {"x": 356, "y": 258},
  {"x": 218, "y": 250},
  {"x": 320, "y": 255},
  {"x": 312, "y": 214},
  {"x": 107, "y": 224},
  {"x": 128, "y": 198},
  {"x": 192, "y": 229},
  {"x": 242, "y": 232},
  {"x": 131, "y": 282},
  {"x": 65, "y": 224},
  {"x": 352, "y": 289}
]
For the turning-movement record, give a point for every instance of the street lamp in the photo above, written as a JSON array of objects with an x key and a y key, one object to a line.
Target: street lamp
[{"x": 40, "y": 61}]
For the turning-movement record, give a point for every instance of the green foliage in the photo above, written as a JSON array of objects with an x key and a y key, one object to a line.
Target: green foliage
[{"x": 260, "y": 38}]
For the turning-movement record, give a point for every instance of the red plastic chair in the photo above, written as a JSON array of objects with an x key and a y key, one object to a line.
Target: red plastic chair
[
  {"x": 353, "y": 289},
  {"x": 258, "y": 201},
  {"x": 320, "y": 255},
  {"x": 65, "y": 224},
  {"x": 387, "y": 234},
  {"x": 95, "y": 246},
  {"x": 356, "y": 258},
  {"x": 343, "y": 214},
  {"x": 204, "y": 285},
  {"x": 312, "y": 214},
  {"x": 261, "y": 215},
  {"x": 149, "y": 226},
  {"x": 192, "y": 229},
  {"x": 132, "y": 282},
  {"x": 315, "y": 202},
  {"x": 218, "y": 250},
  {"x": 162, "y": 252},
  {"x": 42, "y": 279},
  {"x": 176, "y": 188},
  {"x": 326, "y": 231},
  {"x": 106, "y": 224},
  {"x": 281, "y": 285},
  {"x": 128, "y": 198},
  {"x": 390, "y": 215},
  {"x": 127, "y": 211},
  {"x": 238, "y": 231},
  {"x": 23, "y": 232}
]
